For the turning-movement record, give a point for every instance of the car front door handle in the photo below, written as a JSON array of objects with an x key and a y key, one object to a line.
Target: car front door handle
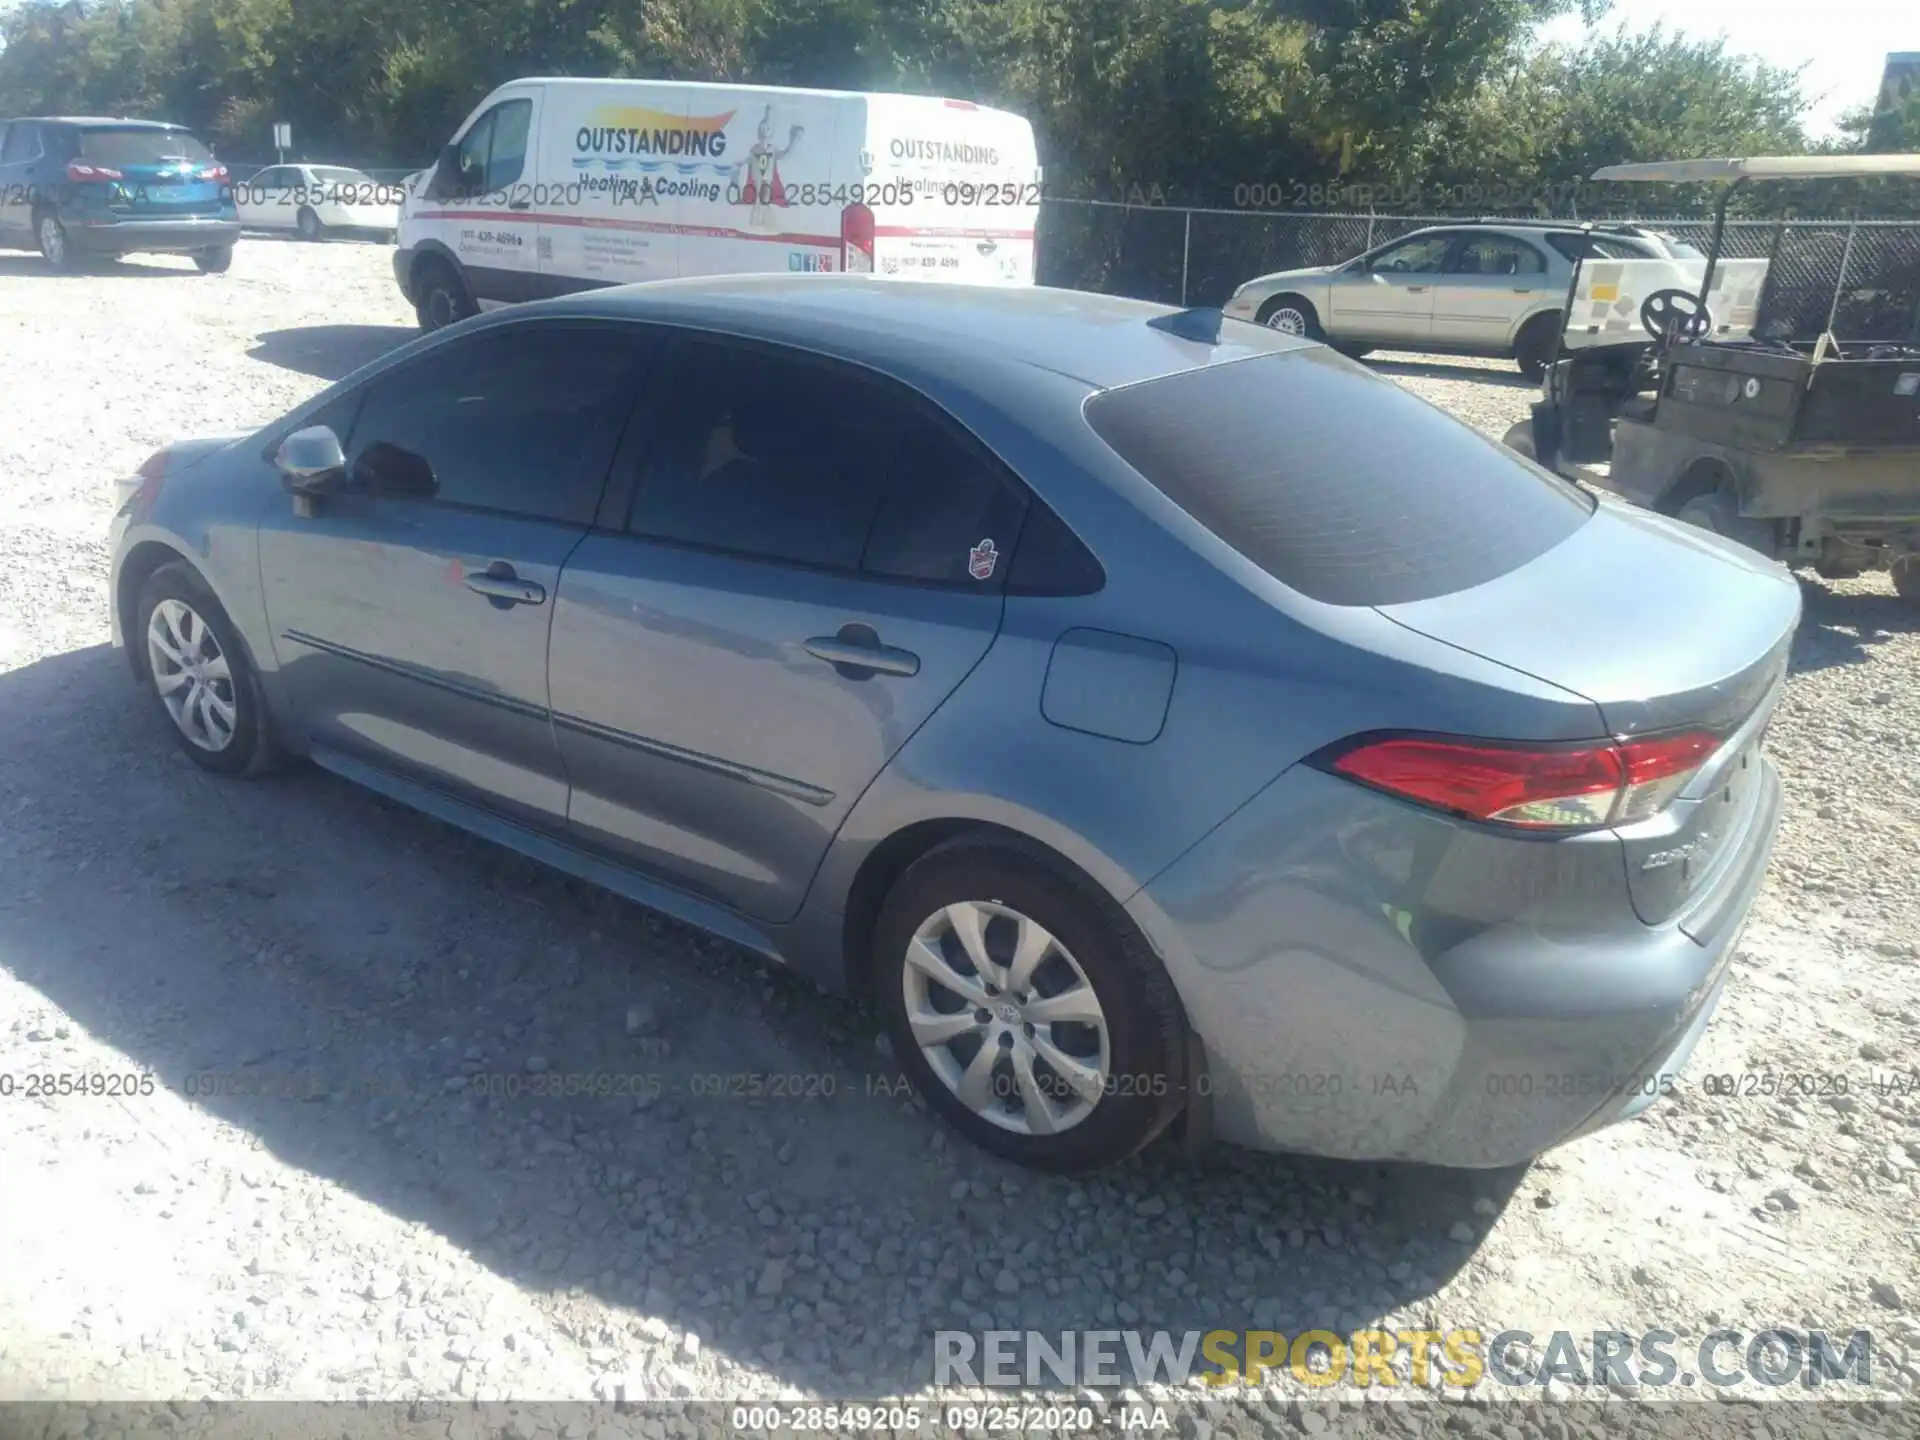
[
  {"x": 498, "y": 583},
  {"x": 856, "y": 652},
  {"x": 1416, "y": 289},
  {"x": 520, "y": 205}
]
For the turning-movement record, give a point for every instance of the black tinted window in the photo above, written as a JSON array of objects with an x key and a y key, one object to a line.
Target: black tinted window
[
  {"x": 948, "y": 514},
  {"x": 519, "y": 419},
  {"x": 22, "y": 142},
  {"x": 141, "y": 147},
  {"x": 1336, "y": 482},
  {"x": 1051, "y": 560},
  {"x": 767, "y": 455}
]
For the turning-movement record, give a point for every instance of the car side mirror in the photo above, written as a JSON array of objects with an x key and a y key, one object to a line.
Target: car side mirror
[
  {"x": 447, "y": 180},
  {"x": 310, "y": 461}
]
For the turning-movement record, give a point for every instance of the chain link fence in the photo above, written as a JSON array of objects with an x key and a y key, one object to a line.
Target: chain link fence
[{"x": 1864, "y": 275}]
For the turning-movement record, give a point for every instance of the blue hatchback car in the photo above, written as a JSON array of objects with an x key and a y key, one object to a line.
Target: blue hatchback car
[
  {"x": 75, "y": 186},
  {"x": 1160, "y": 718}
]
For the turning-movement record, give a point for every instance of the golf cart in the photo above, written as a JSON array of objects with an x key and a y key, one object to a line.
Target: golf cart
[{"x": 1689, "y": 388}]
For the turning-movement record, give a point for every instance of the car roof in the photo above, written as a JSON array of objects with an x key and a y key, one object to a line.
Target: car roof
[
  {"x": 1100, "y": 340},
  {"x": 117, "y": 124}
]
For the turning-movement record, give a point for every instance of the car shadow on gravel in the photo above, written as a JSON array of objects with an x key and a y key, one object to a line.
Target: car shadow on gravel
[
  {"x": 329, "y": 352},
  {"x": 1843, "y": 628},
  {"x": 603, "y": 1106}
]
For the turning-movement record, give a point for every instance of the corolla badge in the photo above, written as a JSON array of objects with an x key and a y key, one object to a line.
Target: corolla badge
[{"x": 1698, "y": 846}]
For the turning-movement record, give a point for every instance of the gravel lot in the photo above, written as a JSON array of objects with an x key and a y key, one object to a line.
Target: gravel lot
[{"x": 381, "y": 1232}]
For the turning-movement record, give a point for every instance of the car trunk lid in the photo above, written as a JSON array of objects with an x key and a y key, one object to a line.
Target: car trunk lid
[
  {"x": 162, "y": 174},
  {"x": 1664, "y": 628}
]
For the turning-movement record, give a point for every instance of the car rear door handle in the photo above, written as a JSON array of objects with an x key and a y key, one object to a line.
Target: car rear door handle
[
  {"x": 856, "y": 652},
  {"x": 520, "y": 205},
  {"x": 498, "y": 583}
]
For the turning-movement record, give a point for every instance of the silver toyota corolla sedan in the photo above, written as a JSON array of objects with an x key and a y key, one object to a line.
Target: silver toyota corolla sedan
[{"x": 1164, "y": 721}]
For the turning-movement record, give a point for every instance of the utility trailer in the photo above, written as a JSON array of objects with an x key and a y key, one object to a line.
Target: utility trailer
[{"x": 1675, "y": 387}]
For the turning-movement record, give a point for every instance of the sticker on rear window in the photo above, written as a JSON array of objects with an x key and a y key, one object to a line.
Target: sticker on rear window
[{"x": 981, "y": 559}]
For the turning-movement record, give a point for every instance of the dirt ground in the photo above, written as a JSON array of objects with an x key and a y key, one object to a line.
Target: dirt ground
[{"x": 315, "y": 1202}]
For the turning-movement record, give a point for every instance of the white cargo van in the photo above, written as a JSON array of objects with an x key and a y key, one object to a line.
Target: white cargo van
[{"x": 559, "y": 185}]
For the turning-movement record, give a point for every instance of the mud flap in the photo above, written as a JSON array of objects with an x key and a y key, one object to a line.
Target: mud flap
[{"x": 1546, "y": 433}]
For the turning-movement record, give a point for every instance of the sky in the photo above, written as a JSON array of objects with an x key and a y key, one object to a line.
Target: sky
[{"x": 1842, "y": 43}]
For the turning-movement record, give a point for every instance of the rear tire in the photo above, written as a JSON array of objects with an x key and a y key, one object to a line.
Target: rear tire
[
  {"x": 199, "y": 675},
  {"x": 441, "y": 297},
  {"x": 1533, "y": 348},
  {"x": 216, "y": 261},
  {"x": 1291, "y": 315},
  {"x": 1906, "y": 577},
  {"x": 1718, "y": 510},
  {"x": 56, "y": 246},
  {"x": 980, "y": 1041}
]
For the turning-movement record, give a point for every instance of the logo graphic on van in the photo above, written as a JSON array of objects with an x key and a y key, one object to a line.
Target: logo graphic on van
[
  {"x": 758, "y": 176},
  {"x": 618, "y": 137},
  {"x": 981, "y": 559}
]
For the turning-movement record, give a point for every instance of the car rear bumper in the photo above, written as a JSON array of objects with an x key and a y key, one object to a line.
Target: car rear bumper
[
  {"x": 1372, "y": 982},
  {"x": 109, "y": 235}
]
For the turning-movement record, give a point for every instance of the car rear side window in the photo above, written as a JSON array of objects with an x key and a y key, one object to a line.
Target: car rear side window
[
  {"x": 22, "y": 142},
  {"x": 766, "y": 455},
  {"x": 948, "y": 516},
  {"x": 140, "y": 147},
  {"x": 1339, "y": 484},
  {"x": 520, "y": 419}
]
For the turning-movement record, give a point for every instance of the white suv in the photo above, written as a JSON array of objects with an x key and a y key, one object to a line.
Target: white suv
[{"x": 1475, "y": 288}]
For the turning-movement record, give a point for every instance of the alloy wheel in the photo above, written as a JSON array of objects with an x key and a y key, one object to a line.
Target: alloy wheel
[
  {"x": 53, "y": 240},
  {"x": 1288, "y": 320},
  {"x": 191, "y": 675},
  {"x": 1006, "y": 1018}
]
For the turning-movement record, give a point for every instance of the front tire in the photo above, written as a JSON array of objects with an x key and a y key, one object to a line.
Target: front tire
[
  {"x": 1291, "y": 315},
  {"x": 1027, "y": 1008},
  {"x": 199, "y": 675},
  {"x": 442, "y": 298},
  {"x": 307, "y": 223},
  {"x": 216, "y": 261}
]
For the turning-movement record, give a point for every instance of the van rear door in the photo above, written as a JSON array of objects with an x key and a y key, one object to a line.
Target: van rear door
[{"x": 958, "y": 191}]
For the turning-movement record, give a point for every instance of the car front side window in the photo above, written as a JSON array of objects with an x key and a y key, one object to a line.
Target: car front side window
[
  {"x": 519, "y": 419},
  {"x": 1424, "y": 256}
]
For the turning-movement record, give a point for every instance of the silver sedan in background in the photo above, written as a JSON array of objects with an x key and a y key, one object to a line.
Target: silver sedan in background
[
  {"x": 1165, "y": 722},
  {"x": 1467, "y": 289}
]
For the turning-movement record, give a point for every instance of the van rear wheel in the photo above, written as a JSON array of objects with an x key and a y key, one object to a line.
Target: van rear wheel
[{"x": 1906, "y": 577}]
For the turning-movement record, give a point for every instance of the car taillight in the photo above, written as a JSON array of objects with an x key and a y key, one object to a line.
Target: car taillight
[
  {"x": 80, "y": 170},
  {"x": 1532, "y": 787},
  {"x": 214, "y": 172}
]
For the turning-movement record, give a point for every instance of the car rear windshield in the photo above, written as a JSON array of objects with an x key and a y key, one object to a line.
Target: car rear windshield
[
  {"x": 1339, "y": 484},
  {"x": 336, "y": 175},
  {"x": 140, "y": 147}
]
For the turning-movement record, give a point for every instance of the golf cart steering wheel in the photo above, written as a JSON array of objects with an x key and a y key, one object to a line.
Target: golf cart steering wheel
[{"x": 1673, "y": 315}]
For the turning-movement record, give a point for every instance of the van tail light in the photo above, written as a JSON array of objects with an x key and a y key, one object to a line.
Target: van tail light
[
  {"x": 81, "y": 171},
  {"x": 856, "y": 240},
  {"x": 1530, "y": 787}
]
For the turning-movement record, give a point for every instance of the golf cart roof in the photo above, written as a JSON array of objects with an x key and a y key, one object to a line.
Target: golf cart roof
[{"x": 1762, "y": 167}]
